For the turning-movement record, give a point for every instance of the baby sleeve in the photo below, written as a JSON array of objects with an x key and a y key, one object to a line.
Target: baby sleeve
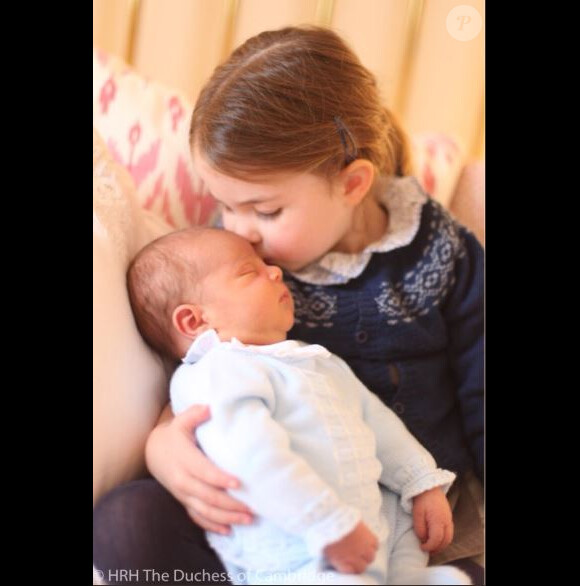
[
  {"x": 243, "y": 438},
  {"x": 408, "y": 468}
]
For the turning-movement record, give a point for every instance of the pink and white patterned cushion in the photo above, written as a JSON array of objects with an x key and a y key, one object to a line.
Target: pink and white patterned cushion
[
  {"x": 146, "y": 127},
  {"x": 437, "y": 161}
]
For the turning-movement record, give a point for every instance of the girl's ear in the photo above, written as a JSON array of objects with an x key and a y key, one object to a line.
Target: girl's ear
[
  {"x": 356, "y": 179},
  {"x": 188, "y": 320}
]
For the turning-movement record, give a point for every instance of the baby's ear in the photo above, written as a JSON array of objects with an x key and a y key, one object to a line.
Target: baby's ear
[
  {"x": 188, "y": 320},
  {"x": 356, "y": 180}
]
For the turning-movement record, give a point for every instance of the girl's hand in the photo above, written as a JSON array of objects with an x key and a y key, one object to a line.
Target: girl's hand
[
  {"x": 181, "y": 467},
  {"x": 432, "y": 520}
]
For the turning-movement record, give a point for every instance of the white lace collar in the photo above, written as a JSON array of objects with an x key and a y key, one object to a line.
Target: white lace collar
[
  {"x": 286, "y": 349},
  {"x": 403, "y": 198}
]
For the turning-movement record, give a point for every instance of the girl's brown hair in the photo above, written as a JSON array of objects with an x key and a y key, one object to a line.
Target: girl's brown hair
[{"x": 295, "y": 99}]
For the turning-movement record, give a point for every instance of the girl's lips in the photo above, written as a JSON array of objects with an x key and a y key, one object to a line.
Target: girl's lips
[{"x": 285, "y": 296}]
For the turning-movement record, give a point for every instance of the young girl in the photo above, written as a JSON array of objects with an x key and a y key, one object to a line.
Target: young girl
[{"x": 290, "y": 136}]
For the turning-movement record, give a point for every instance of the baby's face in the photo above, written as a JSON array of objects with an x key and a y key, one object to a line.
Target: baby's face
[{"x": 242, "y": 296}]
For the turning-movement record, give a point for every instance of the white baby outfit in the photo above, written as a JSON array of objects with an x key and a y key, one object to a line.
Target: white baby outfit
[{"x": 310, "y": 445}]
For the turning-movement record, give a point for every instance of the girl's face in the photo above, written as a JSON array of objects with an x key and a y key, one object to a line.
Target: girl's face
[{"x": 291, "y": 219}]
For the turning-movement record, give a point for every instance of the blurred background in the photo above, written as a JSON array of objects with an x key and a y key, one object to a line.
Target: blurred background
[{"x": 428, "y": 55}]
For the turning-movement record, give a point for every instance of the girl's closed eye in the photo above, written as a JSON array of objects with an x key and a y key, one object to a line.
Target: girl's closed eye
[{"x": 268, "y": 215}]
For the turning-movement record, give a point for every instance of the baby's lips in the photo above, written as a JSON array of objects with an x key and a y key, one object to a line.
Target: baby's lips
[{"x": 285, "y": 295}]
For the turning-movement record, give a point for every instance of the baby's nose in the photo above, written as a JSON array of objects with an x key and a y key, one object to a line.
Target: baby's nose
[{"x": 275, "y": 272}]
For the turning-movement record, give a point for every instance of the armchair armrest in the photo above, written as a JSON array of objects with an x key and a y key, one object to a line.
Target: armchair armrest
[{"x": 468, "y": 199}]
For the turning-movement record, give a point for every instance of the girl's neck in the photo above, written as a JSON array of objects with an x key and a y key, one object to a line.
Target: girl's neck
[{"x": 369, "y": 223}]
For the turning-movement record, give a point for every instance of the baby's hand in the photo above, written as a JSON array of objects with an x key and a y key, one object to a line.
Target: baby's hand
[
  {"x": 354, "y": 552},
  {"x": 432, "y": 520}
]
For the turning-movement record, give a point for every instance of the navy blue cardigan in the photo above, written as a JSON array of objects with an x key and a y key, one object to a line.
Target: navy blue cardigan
[{"x": 411, "y": 328}]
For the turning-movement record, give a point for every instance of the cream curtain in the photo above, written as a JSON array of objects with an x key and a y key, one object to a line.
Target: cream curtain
[{"x": 430, "y": 71}]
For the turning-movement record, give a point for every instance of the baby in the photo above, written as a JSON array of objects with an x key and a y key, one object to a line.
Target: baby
[{"x": 308, "y": 441}]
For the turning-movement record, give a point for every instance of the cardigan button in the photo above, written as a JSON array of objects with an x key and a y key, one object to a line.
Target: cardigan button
[
  {"x": 398, "y": 408},
  {"x": 361, "y": 337}
]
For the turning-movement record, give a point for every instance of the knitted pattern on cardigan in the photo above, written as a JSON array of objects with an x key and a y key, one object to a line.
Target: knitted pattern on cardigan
[{"x": 407, "y": 316}]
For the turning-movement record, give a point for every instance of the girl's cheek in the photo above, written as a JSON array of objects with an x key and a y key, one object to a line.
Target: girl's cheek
[{"x": 271, "y": 239}]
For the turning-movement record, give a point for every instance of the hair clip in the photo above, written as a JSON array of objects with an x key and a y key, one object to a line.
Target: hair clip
[{"x": 350, "y": 150}]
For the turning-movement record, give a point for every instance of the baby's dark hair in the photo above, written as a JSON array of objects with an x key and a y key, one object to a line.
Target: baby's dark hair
[
  {"x": 296, "y": 99},
  {"x": 159, "y": 278}
]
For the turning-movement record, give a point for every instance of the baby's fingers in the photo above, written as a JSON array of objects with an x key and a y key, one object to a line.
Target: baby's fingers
[
  {"x": 351, "y": 566},
  {"x": 371, "y": 550},
  {"x": 419, "y": 524},
  {"x": 434, "y": 539},
  {"x": 345, "y": 567},
  {"x": 369, "y": 555},
  {"x": 449, "y": 532},
  {"x": 447, "y": 538}
]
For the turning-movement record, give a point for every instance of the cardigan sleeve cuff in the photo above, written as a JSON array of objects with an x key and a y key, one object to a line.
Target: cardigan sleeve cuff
[
  {"x": 332, "y": 528},
  {"x": 438, "y": 477}
]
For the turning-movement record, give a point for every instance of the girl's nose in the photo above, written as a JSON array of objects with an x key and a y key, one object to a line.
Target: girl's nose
[{"x": 275, "y": 272}]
